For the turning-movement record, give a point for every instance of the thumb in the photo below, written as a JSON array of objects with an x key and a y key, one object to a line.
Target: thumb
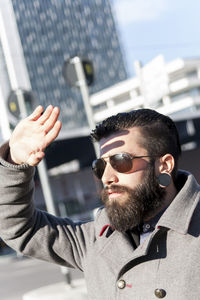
[{"x": 36, "y": 113}]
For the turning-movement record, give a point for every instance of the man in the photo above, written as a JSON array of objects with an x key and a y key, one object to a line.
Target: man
[{"x": 145, "y": 243}]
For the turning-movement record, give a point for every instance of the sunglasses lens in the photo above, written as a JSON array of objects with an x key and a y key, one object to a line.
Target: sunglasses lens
[
  {"x": 98, "y": 167},
  {"x": 122, "y": 162}
]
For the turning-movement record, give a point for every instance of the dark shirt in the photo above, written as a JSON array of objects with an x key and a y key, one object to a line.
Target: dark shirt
[{"x": 139, "y": 234}]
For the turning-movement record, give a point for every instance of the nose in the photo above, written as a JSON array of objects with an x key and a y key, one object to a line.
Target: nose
[{"x": 109, "y": 175}]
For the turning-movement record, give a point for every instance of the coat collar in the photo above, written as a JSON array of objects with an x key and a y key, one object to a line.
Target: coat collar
[{"x": 178, "y": 215}]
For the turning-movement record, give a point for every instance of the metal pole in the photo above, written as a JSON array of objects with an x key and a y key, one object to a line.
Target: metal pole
[
  {"x": 4, "y": 122},
  {"x": 21, "y": 103},
  {"x": 82, "y": 84},
  {"x": 46, "y": 188}
]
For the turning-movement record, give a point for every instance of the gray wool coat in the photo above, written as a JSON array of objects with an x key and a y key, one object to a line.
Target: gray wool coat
[{"x": 166, "y": 265}]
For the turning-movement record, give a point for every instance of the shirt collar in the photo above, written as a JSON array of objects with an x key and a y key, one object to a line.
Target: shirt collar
[{"x": 151, "y": 224}]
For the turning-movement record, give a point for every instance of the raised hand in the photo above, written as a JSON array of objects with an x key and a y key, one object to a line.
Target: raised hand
[{"x": 33, "y": 134}]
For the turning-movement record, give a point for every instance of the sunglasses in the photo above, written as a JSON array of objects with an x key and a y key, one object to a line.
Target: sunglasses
[{"x": 121, "y": 162}]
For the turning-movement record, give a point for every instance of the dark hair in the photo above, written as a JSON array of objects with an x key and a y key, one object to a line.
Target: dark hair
[{"x": 160, "y": 135}]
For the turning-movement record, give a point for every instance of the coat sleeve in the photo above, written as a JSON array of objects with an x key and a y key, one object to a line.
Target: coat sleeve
[{"x": 34, "y": 232}]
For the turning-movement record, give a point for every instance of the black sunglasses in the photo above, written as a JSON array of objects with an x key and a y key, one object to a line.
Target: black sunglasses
[{"x": 121, "y": 162}]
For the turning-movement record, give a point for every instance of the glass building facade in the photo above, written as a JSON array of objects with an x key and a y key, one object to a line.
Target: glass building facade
[{"x": 51, "y": 32}]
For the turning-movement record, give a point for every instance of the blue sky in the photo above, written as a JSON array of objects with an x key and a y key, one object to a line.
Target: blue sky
[{"x": 151, "y": 27}]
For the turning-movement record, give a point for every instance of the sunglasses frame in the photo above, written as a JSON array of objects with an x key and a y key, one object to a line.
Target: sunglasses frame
[{"x": 123, "y": 154}]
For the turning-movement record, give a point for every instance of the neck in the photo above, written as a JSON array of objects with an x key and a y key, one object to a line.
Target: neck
[{"x": 171, "y": 193}]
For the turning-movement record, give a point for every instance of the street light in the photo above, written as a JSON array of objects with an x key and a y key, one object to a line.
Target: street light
[{"x": 80, "y": 73}]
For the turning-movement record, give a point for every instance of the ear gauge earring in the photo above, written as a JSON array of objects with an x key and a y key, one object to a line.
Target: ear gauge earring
[{"x": 164, "y": 180}]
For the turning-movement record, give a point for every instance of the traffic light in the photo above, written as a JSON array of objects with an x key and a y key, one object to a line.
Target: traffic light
[
  {"x": 70, "y": 74},
  {"x": 20, "y": 103},
  {"x": 17, "y": 99},
  {"x": 88, "y": 70}
]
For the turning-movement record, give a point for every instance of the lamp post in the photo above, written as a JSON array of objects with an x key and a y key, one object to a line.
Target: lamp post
[{"x": 79, "y": 72}]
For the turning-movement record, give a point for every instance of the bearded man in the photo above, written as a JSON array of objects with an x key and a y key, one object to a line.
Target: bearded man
[{"x": 144, "y": 243}]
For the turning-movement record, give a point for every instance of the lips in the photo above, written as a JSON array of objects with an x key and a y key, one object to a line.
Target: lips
[{"x": 113, "y": 194}]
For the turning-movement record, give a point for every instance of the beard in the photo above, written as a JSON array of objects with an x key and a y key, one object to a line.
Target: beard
[{"x": 140, "y": 203}]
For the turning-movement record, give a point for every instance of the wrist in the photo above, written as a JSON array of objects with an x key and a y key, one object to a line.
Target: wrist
[{"x": 11, "y": 160}]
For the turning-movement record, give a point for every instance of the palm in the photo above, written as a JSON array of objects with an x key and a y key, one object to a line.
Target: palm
[{"x": 33, "y": 134}]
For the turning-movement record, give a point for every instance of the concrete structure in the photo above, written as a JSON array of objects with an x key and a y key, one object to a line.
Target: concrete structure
[{"x": 171, "y": 88}]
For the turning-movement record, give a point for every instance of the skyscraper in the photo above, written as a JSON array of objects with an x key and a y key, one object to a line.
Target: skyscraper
[{"x": 52, "y": 31}]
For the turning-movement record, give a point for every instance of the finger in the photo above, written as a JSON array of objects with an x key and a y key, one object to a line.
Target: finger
[
  {"x": 45, "y": 116},
  {"x": 35, "y": 158},
  {"x": 49, "y": 124},
  {"x": 53, "y": 133},
  {"x": 36, "y": 113}
]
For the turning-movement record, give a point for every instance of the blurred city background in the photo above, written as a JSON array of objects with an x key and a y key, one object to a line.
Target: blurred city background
[{"x": 92, "y": 58}]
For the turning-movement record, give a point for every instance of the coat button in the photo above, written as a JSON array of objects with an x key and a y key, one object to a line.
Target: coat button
[
  {"x": 121, "y": 284},
  {"x": 160, "y": 293}
]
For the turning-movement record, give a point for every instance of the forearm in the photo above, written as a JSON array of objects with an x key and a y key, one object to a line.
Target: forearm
[{"x": 16, "y": 189}]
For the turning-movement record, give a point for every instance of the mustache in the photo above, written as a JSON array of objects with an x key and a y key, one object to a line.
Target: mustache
[{"x": 116, "y": 188}]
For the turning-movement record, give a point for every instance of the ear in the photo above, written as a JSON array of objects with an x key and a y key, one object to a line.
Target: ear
[{"x": 166, "y": 164}]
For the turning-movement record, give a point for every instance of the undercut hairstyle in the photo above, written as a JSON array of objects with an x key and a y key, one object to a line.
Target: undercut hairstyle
[{"x": 159, "y": 132}]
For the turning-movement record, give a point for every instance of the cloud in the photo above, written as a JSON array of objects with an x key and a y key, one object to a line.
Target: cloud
[{"x": 130, "y": 11}]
